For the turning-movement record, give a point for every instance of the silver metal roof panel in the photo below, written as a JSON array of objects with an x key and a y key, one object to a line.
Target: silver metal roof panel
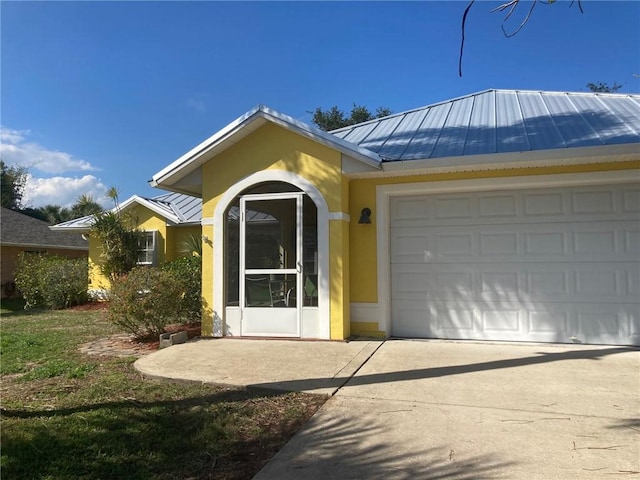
[{"x": 501, "y": 121}]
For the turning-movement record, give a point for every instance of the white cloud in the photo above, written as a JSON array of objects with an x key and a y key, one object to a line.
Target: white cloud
[
  {"x": 63, "y": 191},
  {"x": 16, "y": 150}
]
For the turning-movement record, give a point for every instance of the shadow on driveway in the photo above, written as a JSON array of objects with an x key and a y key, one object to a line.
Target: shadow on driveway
[{"x": 434, "y": 372}]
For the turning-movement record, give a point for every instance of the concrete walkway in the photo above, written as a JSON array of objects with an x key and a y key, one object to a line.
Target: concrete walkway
[{"x": 435, "y": 409}]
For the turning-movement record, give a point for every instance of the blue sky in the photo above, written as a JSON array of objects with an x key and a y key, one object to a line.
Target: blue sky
[{"x": 105, "y": 94}]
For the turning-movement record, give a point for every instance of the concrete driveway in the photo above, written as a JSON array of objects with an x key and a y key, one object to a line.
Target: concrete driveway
[{"x": 406, "y": 409}]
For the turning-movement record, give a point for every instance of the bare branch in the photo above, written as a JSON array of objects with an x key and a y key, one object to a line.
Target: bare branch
[
  {"x": 524, "y": 22},
  {"x": 464, "y": 21}
]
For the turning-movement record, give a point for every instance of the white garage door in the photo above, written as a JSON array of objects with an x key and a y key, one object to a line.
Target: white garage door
[{"x": 542, "y": 265}]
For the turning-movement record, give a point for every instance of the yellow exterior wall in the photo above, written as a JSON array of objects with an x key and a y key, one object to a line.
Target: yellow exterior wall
[
  {"x": 271, "y": 147},
  {"x": 207, "y": 282},
  {"x": 363, "y": 260},
  {"x": 353, "y": 247},
  {"x": 176, "y": 236}
]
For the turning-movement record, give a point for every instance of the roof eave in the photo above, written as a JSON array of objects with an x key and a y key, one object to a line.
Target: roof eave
[
  {"x": 529, "y": 159},
  {"x": 43, "y": 245},
  {"x": 241, "y": 127}
]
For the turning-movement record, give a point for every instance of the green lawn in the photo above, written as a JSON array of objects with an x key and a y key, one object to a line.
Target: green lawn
[{"x": 66, "y": 415}]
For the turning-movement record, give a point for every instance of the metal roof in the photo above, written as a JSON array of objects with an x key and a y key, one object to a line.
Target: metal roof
[
  {"x": 501, "y": 121},
  {"x": 177, "y": 207},
  {"x": 18, "y": 229},
  {"x": 187, "y": 208}
]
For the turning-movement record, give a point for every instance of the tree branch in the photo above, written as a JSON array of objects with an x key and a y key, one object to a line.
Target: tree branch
[{"x": 464, "y": 21}]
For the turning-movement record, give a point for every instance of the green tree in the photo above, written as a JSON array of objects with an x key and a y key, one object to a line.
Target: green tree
[
  {"x": 13, "y": 180},
  {"x": 85, "y": 205},
  {"x": 54, "y": 214},
  {"x": 334, "y": 118},
  {"x": 603, "y": 87}
]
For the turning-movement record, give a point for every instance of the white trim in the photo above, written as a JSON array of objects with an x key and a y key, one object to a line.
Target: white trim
[
  {"x": 324, "y": 330},
  {"x": 150, "y": 205},
  {"x": 507, "y": 160},
  {"x": 339, "y": 216},
  {"x": 207, "y": 221},
  {"x": 84, "y": 248},
  {"x": 385, "y": 192}
]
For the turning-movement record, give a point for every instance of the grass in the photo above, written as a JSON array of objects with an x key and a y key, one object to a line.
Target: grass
[{"x": 66, "y": 415}]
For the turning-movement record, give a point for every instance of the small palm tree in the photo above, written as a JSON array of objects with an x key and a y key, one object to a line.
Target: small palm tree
[
  {"x": 190, "y": 245},
  {"x": 119, "y": 241}
]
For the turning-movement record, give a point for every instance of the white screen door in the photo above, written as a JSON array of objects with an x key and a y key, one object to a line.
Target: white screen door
[{"x": 271, "y": 264}]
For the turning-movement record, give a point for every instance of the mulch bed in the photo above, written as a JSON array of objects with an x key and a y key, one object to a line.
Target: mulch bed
[{"x": 124, "y": 345}]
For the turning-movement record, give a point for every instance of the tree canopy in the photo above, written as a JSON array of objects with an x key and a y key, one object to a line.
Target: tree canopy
[
  {"x": 13, "y": 180},
  {"x": 603, "y": 87},
  {"x": 334, "y": 118}
]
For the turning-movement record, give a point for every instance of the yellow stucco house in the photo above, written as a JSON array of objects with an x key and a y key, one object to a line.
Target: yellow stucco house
[{"x": 502, "y": 215}]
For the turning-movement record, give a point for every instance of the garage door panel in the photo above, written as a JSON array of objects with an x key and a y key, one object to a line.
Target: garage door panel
[
  {"x": 593, "y": 201},
  {"x": 502, "y": 204},
  {"x": 631, "y": 200},
  {"x": 551, "y": 321},
  {"x": 608, "y": 323},
  {"x": 632, "y": 242},
  {"x": 422, "y": 283},
  {"x": 551, "y": 204},
  {"x": 565, "y": 267}
]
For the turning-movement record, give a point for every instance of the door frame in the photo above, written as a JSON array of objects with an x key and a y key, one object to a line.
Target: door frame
[
  {"x": 270, "y": 314},
  {"x": 384, "y": 193},
  {"x": 223, "y": 322}
]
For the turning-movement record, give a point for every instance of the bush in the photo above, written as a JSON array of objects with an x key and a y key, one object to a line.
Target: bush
[
  {"x": 188, "y": 272},
  {"x": 146, "y": 300},
  {"x": 52, "y": 282}
]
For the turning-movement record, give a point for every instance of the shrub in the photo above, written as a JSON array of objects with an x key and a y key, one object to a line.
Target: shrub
[
  {"x": 52, "y": 282},
  {"x": 187, "y": 271},
  {"x": 146, "y": 300}
]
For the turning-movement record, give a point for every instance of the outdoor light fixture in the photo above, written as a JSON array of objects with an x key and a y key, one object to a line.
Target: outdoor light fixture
[{"x": 365, "y": 216}]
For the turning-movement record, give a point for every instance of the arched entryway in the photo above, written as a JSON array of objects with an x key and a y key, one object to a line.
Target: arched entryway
[{"x": 271, "y": 259}]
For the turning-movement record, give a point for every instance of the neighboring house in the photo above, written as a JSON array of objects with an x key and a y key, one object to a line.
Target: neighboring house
[
  {"x": 502, "y": 215},
  {"x": 22, "y": 233},
  {"x": 167, "y": 220}
]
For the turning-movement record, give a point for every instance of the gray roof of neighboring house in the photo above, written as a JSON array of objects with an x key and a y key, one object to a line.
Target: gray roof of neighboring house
[
  {"x": 501, "y": 121},
  {"x": 177, "y": 207},
  {"x": 18, "y": 229}
]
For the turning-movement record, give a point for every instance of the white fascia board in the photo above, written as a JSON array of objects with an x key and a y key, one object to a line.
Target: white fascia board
[
  {"x": 70, "y": 229},
  {"x": 537, "y": 159},
  {"x": 197, "y": 152},
  {"x": 44, "y": 245},
  {"x": 80, "y": 225},
  {"x": 245, "y": 125},
  {"x": 172, "y": 217}
]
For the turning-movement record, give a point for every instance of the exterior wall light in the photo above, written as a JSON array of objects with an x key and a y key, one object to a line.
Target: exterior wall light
[{"x": 365, "y": 216}]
